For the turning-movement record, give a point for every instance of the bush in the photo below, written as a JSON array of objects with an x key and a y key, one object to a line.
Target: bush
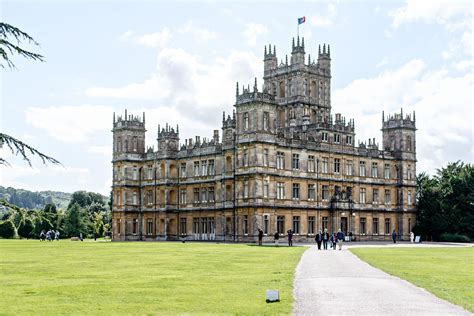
[
  {"x": 7, "y": 230},
  {"x": 454, "y": 237}
]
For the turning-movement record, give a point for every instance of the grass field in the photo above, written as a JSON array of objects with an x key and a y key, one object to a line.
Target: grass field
[
  {"x": 143, "y": 278},
  {"x": 446, "y": 272}
]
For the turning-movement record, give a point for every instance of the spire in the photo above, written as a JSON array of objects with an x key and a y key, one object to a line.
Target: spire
[
  {"x": 114, "y": 117},
  {"x": 383, "y": 116},
  {"x": 237, "y": 88},
  {"x": 414, "y": 116},
  {"x": 319, "y": 49},
  {"x": 309, "y": 59},
  {"x": 269, "y": 49},
  {"x": 143, "y": 117},
  {"x": 324, "y": 48},
  {"x": 286, "y": 60},
  {"x": 223, "y": 117},
  {"x": 177, "y": 129},
  {"x": 401, "y": 113},
  {"x": 265, "y": 52},
  {"x": 329, "y": 51},
  {"x": 255, "y": 88},
  {"x": 302, "y": 42},
  {"x": 298, "y": 41},
  {"x": 274, "y": 50},
  {"x": 293, "y": 45},
  {"x": 125, "y": 114}
]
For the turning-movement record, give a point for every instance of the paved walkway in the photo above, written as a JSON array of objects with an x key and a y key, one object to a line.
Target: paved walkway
[{"x": 338, "y": 283}]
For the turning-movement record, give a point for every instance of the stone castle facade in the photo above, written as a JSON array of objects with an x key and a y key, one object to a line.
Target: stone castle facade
[{"x": 284, "y": 162}]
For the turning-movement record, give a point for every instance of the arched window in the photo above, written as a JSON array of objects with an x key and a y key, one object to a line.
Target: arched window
[
  {"x": 134, "y": 142},
  {"x": 313, "y": 89},
  {"x": 246, "y": 121},
  {"x": 290, "y": 88},
  {"x": 119, "y": 144},
  {"x": 408, "y": 143},
  {"x": 274, "y": 89},
  {"x": 282, "y": 89},
  {"x": 126, "y": 145}
]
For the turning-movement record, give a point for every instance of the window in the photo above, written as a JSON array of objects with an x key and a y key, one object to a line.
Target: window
[
  {"x": 119, "y": 144},
  {"x": 149, "y": 197},
  {"x": 387, "y": 226},
  {"x": 182, "y": 226},
  {"x": 282, "y": 89},
  {"x": 182, "y": 170},
  {"x": 125, "y": 173},
  {"x": 375, "y": 196},
  {"x": 182, "y": 196},
  {"x": 409, "y": 175},
  {"x": 337, "y": 165},
  {"x": 280, "y": 190},
  {"x": 362, "y": 195},
  {"x": 135, "y": 226},
  {"x": 362, "y": 226},
  {"x": 296, "y": 191},
  {"x": 149, "y": 227},
  {"x": 374, "y": 170},
  {"x": 324, "y": 167},
  {"x": 311, "y": 223},
  {"x": 280, "y": 160},
  {"x": 246, "y": 189},
  {"x": 409, "y": 202},
  {"x": 265, "y": 157},
  {"x": 245, "y": 225},
  {"x": 246, "y": 157},
  {"x": 210, "y": 168},
  {"x": 362, "y": 168},
  {"x": 281, "y": 224},
  {"x": 203, "y": 168},
  {"x": 311, "y": 192},
  {"x": 349, "y": 168},
  {"x": 246, "y": 121},
  {"x": 311, "y": 164},
  {"x": 386, "y": 171},
  {"x": 196, "y": 225},
  {"x": 349, "y": 140},
  {"x": 325, "y": 192},
  {"x": 196, "y": 195},
  {"x": 387, "y": 196},
  {"x": 135, "y": 173},
  {"x": 134, "y": 143},
  {"x": 337, "y": 138},
  {"x": 196, "y": 168},
  {"x": 296, "y": 224},
  {"x": 266, "y": 224},
  {"x": 265, "y": 188},
  {"x": 324, "y": 136},
  {"x": 134, "y": 198},
  {"x": 408, "y": 143},
  {"x": 150, "y": 172},
  {"x": 296, "y": 162},
  {"x": 203, "y": 195},
  {"x": 375, "y": 226},
  {"x": 325, "y": 223},
  {"x": 266, "y": 119},
  {"x": 119, "y": 228},
  {"x": 210, "y": 192}
]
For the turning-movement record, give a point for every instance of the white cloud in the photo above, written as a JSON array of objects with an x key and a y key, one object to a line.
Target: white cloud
[
  {"x": 156, "y": 39},
  {"x": 442, "y": 101},
  {"x": 105, "y": 150},
  {"x": 433, "y": 11},
  {"x": 70, "y": 124},
  {"x": 252, "y": 31},
  {"x": 326, "y": 20},
  {"x": 201, "y": 34},
  {"x": 382, "y": 63}
]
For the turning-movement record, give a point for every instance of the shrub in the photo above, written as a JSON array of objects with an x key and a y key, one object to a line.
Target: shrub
[
  {"x": 454, "y": 237},
  {"x": 7, "y": 230}
]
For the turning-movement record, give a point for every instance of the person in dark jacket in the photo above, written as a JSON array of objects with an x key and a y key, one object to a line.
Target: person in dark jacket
[
  {"x": 276, "y": 237},
  {"x": 394, "y": 236},
  {"x": 319, "y": 239},
  {"x": 290, "y": 237},
  {"x": 260, "y": 236},
  {"x": 325, "y": 239},
  {"x": 340, "y": 238},
  {"x": 334, "y": 241}
]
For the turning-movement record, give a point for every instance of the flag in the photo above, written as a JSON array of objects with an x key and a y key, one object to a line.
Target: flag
[{"x": 301, "y": 20}]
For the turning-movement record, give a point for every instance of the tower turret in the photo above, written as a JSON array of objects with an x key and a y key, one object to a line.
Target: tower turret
[
  {"x": 324, "y": 59},
  {"x": 129, "y": 134},
  {"x": 297, "y": 52},
  {"x": 168, "y": 140},
  {"x": 399, "y": 135},
  {"x": 269, "y": 58}
]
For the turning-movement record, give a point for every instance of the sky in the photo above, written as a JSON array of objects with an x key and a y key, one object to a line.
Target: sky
[{"x": 178, "y": 61}]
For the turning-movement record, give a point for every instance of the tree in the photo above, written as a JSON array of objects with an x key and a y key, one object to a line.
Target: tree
[
  {"x": 7, "y": 230},
  {"x": 26, "y": 228},
  {"x": 7, "y": 49},
  {"x": 74, "y": 223}
]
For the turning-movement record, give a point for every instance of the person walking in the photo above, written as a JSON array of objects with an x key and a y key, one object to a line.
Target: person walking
[
  {"x": 56, "y": 236},
  {"x": 340, "y": 238},
  {"x": 394, "y": 236},
  {"x": 412, "y": 237},
  {"x": 334, "y": 241},
  {"x": 260, "y": 236},
  {"x": 290, "y": 237},
  {"x": 80, "y": 237},
  {"x": 319, "y": 239},
  {"x": 325, "y": 239},
  {"x": 276, "y": 237}
]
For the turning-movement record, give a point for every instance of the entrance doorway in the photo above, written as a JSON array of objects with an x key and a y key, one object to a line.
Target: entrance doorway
[{"x": 344, "y": 225}]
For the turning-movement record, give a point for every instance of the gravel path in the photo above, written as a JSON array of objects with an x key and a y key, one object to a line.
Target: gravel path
[{"x": 338, "y": 283}]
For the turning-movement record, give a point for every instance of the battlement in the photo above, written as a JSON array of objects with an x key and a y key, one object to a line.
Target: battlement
[
  {"x": 168, "y": 132},
  {"x": 230, "y": 122},
  {"x": 248, "y": 96},
  {"x": 129, "y": 121},
  {"x": 398, "y": 121}
]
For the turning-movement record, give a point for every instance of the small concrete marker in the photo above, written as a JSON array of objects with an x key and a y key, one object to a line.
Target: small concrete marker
[{"x": 273, "y": 296}]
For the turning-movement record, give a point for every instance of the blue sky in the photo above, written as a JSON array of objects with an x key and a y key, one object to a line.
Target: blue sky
[{"x": 179, "y": 62}]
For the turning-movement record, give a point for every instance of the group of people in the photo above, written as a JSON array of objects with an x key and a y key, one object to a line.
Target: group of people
[
  {"x": 50, "y": 235},
  {"x": 333, "y": 239}
]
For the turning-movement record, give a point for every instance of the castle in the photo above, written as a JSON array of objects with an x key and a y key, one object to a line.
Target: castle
[{"x": 284, "y": 162}]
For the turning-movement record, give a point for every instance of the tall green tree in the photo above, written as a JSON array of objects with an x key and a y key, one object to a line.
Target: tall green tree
[{"x": 74, "y": 223}]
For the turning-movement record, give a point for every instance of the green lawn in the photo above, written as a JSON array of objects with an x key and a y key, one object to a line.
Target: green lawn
[
  {"x": 143, "y": 278},
  {"x": 446, "y": 272}
]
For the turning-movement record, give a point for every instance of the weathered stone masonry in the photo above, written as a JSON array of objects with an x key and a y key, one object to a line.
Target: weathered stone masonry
[{"x": 284, "y": 162}]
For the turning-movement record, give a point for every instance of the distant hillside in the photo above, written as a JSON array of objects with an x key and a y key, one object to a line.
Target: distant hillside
[{"x": 36, "y": 200}]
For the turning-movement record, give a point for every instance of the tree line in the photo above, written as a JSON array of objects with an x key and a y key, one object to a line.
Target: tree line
[
  {"x": 445, "y": 204},
  {"x": 87, "y": 213}
]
